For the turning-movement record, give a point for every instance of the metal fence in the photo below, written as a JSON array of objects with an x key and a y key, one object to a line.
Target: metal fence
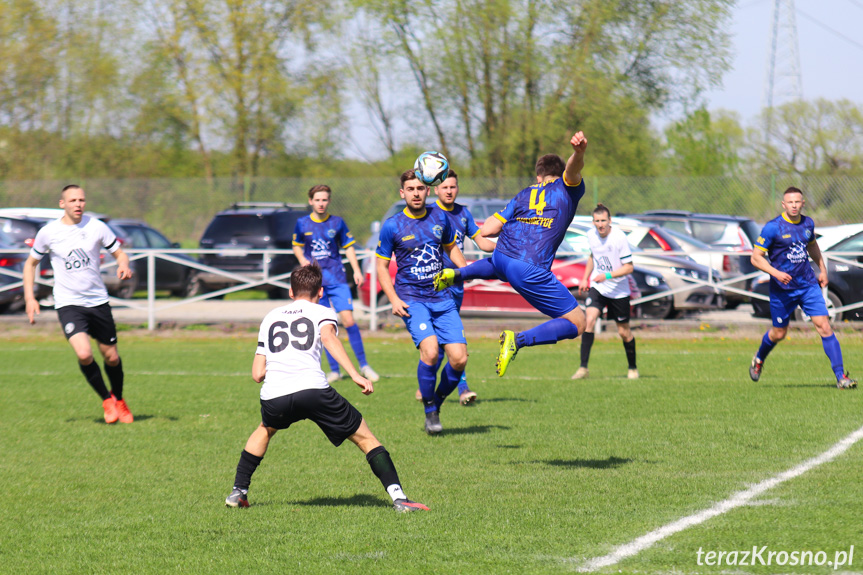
[{"x": 182, "y": 208}]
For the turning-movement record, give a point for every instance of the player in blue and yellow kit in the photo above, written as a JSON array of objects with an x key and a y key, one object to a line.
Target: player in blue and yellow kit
[
  {"x": 465, "y": 227},
  {"x": 530, "y": 230},
  {"x": 318, "y": 237},
  {"x": 788, "y": 241},
  {"x": 417, "y": 236}
]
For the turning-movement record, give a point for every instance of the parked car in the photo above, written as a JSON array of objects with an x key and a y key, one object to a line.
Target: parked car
[
  {"x": 20, "y": 232},
  {"x": 11, "y": 262},
  {"x": 845, "y": 287},
  {"x": 246, "y": 226},
  {"x": 116, "y": 288},
  {"x": 177, "y": 278}
]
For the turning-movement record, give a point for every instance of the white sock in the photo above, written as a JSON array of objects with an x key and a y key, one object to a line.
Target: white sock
[{"x": 395, "y": 491}]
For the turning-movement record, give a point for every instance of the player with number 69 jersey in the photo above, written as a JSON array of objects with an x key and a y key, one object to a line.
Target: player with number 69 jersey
[{"x": 288, "y": 362}]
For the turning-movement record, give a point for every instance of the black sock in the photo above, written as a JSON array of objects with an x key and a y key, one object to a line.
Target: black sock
[
  {"x": 115, "y": 376},
  {"x": 382, "y": 466},
  {"x": 586, "y": 344},
  {"x": 245, "y": 468},
  {"x": 629, "y": 346},
  {"x": 94, "y": 378}
]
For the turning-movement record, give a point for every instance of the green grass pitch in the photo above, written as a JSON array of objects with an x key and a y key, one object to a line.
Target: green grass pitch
[{"x": 543, "y": 474}]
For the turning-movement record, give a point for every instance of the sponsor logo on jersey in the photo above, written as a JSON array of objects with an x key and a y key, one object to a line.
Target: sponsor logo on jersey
[
  {"x": 77, "y": 260},
  {"x": 406, "y": 238},
  {"x": 797, "y": 254},
  {"x": 543, "y": 222},
  {"x": 760, "y": 240},
  {"x": 786, "y": 236},
  {"x": 308, "y": 233}
]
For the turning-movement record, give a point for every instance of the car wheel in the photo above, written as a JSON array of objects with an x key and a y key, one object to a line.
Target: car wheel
[
  {"x": 127, "y": 289},
  {"x": 193, "y": 287},
  {"x": 833, "y": 302}
]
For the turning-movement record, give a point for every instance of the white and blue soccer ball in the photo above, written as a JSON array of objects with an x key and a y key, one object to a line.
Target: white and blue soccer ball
[{"x": 431, "y": 168}]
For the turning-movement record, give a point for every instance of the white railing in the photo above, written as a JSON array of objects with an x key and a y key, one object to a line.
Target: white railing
[{"x": 243, "y": 282}]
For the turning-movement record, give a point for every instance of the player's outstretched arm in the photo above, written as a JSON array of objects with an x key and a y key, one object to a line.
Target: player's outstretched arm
[
  {"x": 575, "y": 163},
  {"x": 30, "y": 303},
  {"x": 337, "y": 350}
]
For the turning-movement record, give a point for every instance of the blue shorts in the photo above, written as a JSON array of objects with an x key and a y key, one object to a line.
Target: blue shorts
[
  {"x": 339, "y": 295},
  {"x": 537, "y": 285},
  {"x": 784, "y": 302},
  {"x": 457, "y": 293},
  {"x": 438, "y": 318}
]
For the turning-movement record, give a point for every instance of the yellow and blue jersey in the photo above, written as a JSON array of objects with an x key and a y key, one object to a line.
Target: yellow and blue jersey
[
  {"x": 417, "y": 243},
  {"x": 321, "y": 241},
  {"x": 785, "y": 242},
  {"x": 536, "y": 219}
]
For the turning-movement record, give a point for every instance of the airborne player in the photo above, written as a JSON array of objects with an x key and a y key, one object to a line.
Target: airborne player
[{"x": 416, "y": 236}]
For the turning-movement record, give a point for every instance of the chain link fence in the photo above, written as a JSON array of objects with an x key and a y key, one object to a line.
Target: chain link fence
[{"x": 182, "y": 208}]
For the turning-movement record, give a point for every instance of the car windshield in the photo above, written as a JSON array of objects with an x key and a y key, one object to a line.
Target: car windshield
[
  {"x": 227, "y": 227},
  {"x": 686, "y": 239}
]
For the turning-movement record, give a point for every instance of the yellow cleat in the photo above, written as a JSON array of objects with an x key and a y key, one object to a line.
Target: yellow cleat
[
  {"x": 443, "y": 279},
  {"x": 508, "y": 349}
]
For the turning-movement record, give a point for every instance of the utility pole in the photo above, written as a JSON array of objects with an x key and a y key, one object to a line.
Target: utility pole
[{"x": 783, "y": 83}]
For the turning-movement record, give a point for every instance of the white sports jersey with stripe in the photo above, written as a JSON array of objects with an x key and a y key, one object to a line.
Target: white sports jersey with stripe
[
  {"x": 610, "y": 253},
  {"x": 290, "y": 338},
  {"x": 75, "y": 258}
]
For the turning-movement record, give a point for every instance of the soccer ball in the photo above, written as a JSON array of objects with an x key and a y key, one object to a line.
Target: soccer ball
[{"x": 431, "y": 168}]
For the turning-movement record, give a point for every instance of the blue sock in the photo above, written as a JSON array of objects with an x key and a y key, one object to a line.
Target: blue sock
[
  {"x": 356, "y": 341},
  {"x": 767, "y": 346},
  {"x": 334, "y": 365},
  {"x": 427, "y": 377},
  {"x": 462, "y": 384},
  {"x": 551, "y": 331},
  {"x": 480, "y": 269},
  {"x": 834, "y": 352},
  {"x": 448, "y": 381}
]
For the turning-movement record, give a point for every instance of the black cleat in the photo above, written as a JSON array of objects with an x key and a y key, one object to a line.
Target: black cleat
[
  {"x": 755, "y": 369},
  {"x": 433, "y": 425},
  {"x": 846, "y": 383},
  {"x": 406, "y": 506},
  {"x": 237, "y": 498}
]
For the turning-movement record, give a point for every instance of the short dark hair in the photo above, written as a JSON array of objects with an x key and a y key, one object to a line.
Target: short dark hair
[
  {"x": 550, "y": 165},
  {"x": 306, "y": 280},
  {"x": 452, "y": 174},
  {"x": 319, "y": 188},
  {"x": 70, "y": 187},
  {"x": 600, "y": 209},
  {"x": 792, "y": 190},
  {"x": 408, "y": 175}
]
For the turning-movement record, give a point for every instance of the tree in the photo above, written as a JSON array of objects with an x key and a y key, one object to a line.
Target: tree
[{"x": 704, "y": 145}]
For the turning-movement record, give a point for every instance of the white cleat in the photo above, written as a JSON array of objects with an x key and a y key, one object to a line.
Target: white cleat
[
  {"x": 581, "y": 373},
  {"x": 632, "y": 374},
  {"x": 367, "y": 372},
  {"x": 333, "y": 377}
]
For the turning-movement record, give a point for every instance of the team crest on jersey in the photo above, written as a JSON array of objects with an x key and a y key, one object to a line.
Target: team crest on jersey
[
  {"x": 69, "y": 328},
  {"x": 423, "y": 327},
  {"x": 464, "y": 222},
  {"x": 331, "y": 233},
  {"x": 808, "y": 234},
  {"x": 437, "y": 231}
]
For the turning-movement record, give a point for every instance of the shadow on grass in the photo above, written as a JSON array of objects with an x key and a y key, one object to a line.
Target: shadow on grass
[
  {"x": 503, "y": 399},
  {"x": 815, "y": 385},
  {"x": 138, "y": 418},
  {"x": 472, "y": 429},
  {"x": 610, "y": 463},
  {"x": 353, "y": 501}
]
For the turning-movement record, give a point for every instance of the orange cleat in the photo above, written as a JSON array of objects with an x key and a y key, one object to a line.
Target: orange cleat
[
  {"x": 123, "y": 411},
  {"x": 110, "y": 407}
]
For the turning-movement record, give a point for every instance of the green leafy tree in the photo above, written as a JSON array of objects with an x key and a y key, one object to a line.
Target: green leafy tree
[{"x": 702, "y": 144}]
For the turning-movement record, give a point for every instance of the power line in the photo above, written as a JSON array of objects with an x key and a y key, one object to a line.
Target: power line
[
  {"x": 829, "y": 29},
  {"x": 857, "y": 3}
]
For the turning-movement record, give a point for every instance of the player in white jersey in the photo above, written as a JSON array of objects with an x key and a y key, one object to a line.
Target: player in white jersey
[
  {"x": 611, "y": 258},
  {"x": 288, "y": 361},
  {"x": 80, "y": 297}
]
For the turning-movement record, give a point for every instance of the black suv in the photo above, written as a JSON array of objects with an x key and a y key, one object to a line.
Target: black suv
[{"x": 250, "y": 226}]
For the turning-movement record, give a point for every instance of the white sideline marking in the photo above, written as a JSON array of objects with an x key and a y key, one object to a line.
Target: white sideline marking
[{"x": 737, "y": 500}]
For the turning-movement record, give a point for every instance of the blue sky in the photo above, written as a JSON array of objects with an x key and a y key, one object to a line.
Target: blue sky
[{"x": 829, "y": 43}]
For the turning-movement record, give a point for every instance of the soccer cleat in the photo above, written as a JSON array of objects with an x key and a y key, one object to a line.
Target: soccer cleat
[
  {"x": 433, "y": 425},
  {"x": 419, "y": 395},
  {"x": 444, "y": 279},
  {"x": 581, "y": 373},
  {"x": 110, "y": 407},
  {"x": 508, "y": 349},
  {"x": 755, "y": 369},
  {"x": 237, "y": 498},
  {"x": 467, "y": 398},
  {"x": 123, "y": 412},
  {"x": 333, "y": 376},
  {"x": 406, "y": 506},
  {"x": 632, "y": 374},
  {"x": 846, "y": 383},
  {"x": 367, "y": 372}
]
